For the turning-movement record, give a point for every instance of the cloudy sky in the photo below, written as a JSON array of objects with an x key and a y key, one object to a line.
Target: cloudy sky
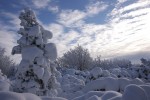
[{"x": 110, "y": 28}]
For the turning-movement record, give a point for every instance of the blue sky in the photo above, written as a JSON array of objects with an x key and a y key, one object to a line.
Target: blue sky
[{"x": 110, "y": 28}]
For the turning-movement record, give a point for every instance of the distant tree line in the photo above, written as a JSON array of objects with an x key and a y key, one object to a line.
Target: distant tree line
[{"x": 79, "y": 58}]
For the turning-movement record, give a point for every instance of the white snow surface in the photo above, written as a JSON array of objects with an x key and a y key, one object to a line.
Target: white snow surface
[
  {"x": 50, "y": 51},
  {"x": 30, "y": 53},
  {"x": 115, "y": 89}
]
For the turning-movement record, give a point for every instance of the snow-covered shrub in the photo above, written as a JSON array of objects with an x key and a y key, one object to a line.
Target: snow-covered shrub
[
  {"x": 6, "y": 63},
  {"x": 120, "y": 72},
  {"x": 35, "y": 73},
  {"x": 4, "y": 82},
  {"x": 77, "y": 58}
]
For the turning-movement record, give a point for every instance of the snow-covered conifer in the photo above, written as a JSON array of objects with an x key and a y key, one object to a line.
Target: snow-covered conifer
[{"x": 34, "y": 74}]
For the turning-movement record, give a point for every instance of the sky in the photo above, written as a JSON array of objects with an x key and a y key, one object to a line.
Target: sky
[{"x": 110, "y": 28}]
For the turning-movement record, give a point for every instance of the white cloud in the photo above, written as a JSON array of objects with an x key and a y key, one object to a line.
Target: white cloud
[
  {"x": 129, "y": 31},
  {"x": 13, "y": 20},
  {"x": 95, "y": 8},
  {"x": 40, "y": 3},
  {"x": 134, "y": 6},
  {"x": 69, "y": 17},
  {"x": 75, "y": 18},
  {"x": 8, "y": 41},
  {"x": 124, "y": 34},
  {"x": 53, "y": 9},
  {"x": 122, "y": 1},
  {"x": 8, "y": 34}
]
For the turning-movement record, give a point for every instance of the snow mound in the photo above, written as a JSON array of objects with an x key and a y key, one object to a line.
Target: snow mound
[
  {"x": 134, "y": 92},
  {"x": 52, "y": 98},
  {"x": 109, "y": 83},
  {"x": 96, "y": 72},
  {"x": 109, "y": 94},
  {"x": 50, "y": 51},
  {"x": 18, "y": 96},
  {"x": 89, "y": 94}
]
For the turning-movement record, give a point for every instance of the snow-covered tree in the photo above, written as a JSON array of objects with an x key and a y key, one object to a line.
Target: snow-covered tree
[
  {"x": 78, "y": 58},
  {"x": 6, "y": 64},
  {"x": 35, "y": 73}
]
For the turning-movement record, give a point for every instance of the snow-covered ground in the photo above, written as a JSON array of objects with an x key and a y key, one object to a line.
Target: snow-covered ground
[{"x": 96, "y": 84}]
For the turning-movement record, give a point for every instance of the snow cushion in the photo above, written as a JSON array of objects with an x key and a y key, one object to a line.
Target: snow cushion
[
  {"x": 134, "y": 92},
  {"x": 50, "y": 51}
]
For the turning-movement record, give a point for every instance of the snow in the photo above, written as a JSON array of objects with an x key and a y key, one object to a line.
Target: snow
[
  {"x": 50, "y": 51},
  {"x": 34, "y": 74},
  {"x": 146, "y": 89},
  {"x": 109, "y": 94},
  {"x": 134, "y": 92},
  {"x": 89, "y": 94},
  {"x": 34, "y": 31},
  {"x": 4, "y": 82},
  {"x": 96, "y": 72},
  {"x": 52, "y": 98},
  {"x": 30, "y": 53},
  {"x": 16, "y": 50},
  {"x": 37, "y": 69},
  {"x": 17, "y": 96},
  {"x": 94, "y": 97}
]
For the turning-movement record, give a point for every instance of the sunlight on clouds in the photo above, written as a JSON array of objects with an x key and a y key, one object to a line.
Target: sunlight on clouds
[{"x": 129, "y": 35}]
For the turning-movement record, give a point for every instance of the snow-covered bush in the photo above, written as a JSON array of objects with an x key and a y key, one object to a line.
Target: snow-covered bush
[
  {"x": 35, "y": 73},
  {"x": 6, "y": 63},
  {"x": 77, "y": 58},
  {"x": 4, "y": 82}
]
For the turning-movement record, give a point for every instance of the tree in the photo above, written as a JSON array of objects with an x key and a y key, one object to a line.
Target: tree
[
  {"x": 78, "y": 58},
  {"x": 5, "y": 62},
  {"x": 35, "y": 74},
  {"x": 111, "y": 63},
  {"x": 145, "y": 62}
]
